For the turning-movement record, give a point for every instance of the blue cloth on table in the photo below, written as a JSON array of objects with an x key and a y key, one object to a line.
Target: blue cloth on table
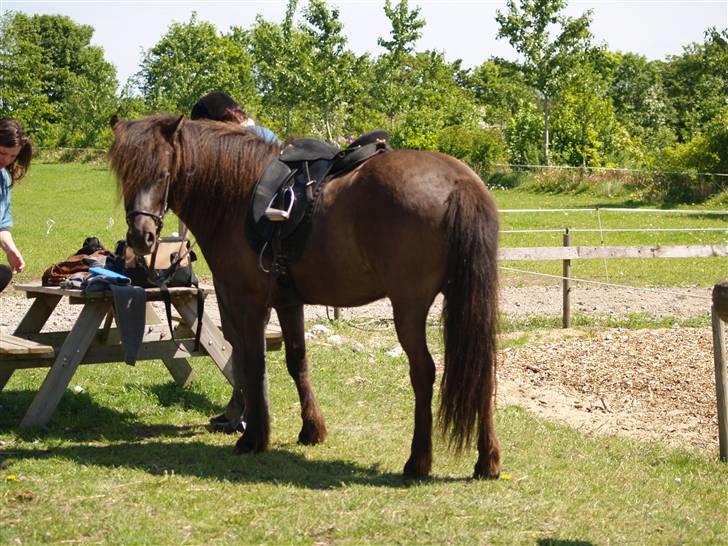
[{"x": 129, "y": 307}]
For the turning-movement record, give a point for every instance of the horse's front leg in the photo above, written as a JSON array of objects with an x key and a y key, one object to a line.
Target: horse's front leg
[
  {"x": 313, "y": 430},
  {"x": 250, "y": 372},
  {"x": 230, "y": 421}
]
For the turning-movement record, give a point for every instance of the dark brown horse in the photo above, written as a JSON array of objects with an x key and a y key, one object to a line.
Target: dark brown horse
[{"x": 406, "y": 225}]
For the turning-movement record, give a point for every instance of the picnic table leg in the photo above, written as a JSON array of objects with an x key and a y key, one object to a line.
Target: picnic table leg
[
  {"x": 5, "y": 375},
  {"x": 69, "y": 357},
  {"x": 179, "y": 368},
  {"x": 37, "y": 315},
  {"x": 32, "y": 323},
  {"x": 211, "y": 340}
]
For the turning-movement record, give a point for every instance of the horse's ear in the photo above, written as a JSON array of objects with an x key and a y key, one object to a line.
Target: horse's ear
[
  {"x": 169, "y": 129},
  {"x": 113, "y": 121}
]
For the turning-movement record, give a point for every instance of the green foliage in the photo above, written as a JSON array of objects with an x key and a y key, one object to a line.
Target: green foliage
[
  {"x": 54, "y": 81},
  {"x": 482, "y": 149},
  {"x": 547, "y": 62},
  {"x": 523, "y": 134},
  {"x": 498, "y": 88},
  {"x": 584, "y": 122},
  {"x": 332, "y": 79},
  {"x": 282, "y": 71},
  {"x": 394, "y": 80},
  {"x": 192, "y": 59},
  {"x": 696, "y": 83},
  {"x": 581, "y": 105},
  {"x": 637, "y": 93}
]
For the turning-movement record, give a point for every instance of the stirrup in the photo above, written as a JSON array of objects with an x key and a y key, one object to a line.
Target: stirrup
[{"x": 281, "y": 215}]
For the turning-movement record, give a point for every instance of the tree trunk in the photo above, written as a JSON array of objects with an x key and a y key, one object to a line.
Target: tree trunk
[{"x": 546, "y": 105}]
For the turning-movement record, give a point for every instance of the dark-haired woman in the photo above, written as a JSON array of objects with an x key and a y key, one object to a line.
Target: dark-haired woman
[
  {"x": 220, "y": 106},
  {"x": 15, "y": 155}
]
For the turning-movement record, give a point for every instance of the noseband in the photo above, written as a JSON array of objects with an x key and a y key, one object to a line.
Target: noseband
[{"x": 158, "y": 218}]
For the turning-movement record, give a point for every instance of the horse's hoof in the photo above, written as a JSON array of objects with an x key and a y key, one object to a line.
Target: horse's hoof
[
  {"x": 417, "y": 471},
  {"x": 220, "y": 423},
  {"x": 243, "y": 445},
  {"x": 486, "y": 471},
  {"x": 311, "y": 435}
]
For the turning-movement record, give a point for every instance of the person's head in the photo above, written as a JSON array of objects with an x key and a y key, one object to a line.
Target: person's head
[
  {"x": 15, "y": 148},
  {"x": 218, "y": 106}
]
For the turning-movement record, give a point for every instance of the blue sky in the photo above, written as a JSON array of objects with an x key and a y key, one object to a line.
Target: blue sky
[{"x": 462, "y": 29}]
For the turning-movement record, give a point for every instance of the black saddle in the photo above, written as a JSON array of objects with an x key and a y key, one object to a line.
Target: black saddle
[{"x": 285, "y": 195}]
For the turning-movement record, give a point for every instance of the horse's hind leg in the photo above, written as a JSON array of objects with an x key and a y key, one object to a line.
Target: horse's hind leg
[
  {"x": 410, "y": 320},
  {"x": 313, "y": 430},
  {"x": 488, "y": 464}
]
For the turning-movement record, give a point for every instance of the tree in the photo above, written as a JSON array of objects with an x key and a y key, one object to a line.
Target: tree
[
  {"x": 393, "y": 71},
  {"x": 498, "y": 87},
  {"x": 696, "y": 83},
  {"x": 282, "y": 68},
  {"x": 332, "y": 73},
  {"x": 53, "y": 79},
  {"x": 547, "y": 63},
  {"x": 192, "y": 59},
  {"x": 585, "y": 125}
]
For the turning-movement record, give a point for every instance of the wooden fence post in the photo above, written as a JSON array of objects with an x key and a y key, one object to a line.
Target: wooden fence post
[
  {"x": 721, "y": 382},
  {"x": 566, "y": 317}
]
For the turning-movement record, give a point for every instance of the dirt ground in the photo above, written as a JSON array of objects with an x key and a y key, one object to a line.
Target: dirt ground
[{"x": 654, "y": 384}]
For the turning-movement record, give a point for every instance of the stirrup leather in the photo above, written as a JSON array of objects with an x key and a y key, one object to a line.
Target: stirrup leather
[{"x": 281, "y": 215}]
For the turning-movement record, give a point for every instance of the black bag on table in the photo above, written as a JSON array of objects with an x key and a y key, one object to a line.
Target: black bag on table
[{"x": 168, "y": 266}]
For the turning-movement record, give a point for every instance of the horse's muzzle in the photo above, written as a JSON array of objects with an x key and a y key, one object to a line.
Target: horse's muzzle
[{"x": 141, "y": 235}]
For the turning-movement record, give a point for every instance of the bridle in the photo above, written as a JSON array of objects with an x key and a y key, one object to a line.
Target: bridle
[{"x": 158, "y": 218}]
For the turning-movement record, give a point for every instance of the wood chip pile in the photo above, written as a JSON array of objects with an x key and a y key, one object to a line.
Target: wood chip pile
[{"x": 657, "y": 384}]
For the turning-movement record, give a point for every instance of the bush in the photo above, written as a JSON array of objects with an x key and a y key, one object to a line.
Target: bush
[{"x": 480, "y": 148}]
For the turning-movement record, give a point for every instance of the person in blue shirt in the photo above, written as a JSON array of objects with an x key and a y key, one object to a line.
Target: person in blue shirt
[
  {"x": 15, "y": 155},
  {"x": 220, "y": 106}
]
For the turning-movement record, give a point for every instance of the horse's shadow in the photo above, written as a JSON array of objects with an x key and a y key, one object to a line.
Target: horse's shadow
[
  {"x": 198, "y": 459},
  {"x": 172, "y": 449}
]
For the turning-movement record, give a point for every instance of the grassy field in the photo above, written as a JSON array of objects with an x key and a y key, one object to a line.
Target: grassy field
[
  {"x": 127, "y": 458},
  {"x": 58, "y": 205}
]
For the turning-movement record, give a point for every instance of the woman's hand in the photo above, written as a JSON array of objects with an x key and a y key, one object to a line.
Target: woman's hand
[{"x": 15, "y": 259}]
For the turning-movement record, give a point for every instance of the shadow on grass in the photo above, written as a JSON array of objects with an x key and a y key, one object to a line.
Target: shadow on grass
[
  {"x": 206, "y": 461},
  {"x": 163, "y": 449},
  {"x": 80, "y": 418}
]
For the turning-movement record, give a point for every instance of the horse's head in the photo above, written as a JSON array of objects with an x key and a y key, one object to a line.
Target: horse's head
[{"x": 143, "y": 158}]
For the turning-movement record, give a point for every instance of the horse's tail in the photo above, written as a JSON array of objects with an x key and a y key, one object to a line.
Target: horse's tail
[{"x": 470, "y": 313}]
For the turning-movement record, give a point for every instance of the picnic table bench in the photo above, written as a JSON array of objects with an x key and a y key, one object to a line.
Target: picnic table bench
[{"x": 93, "y": 340}]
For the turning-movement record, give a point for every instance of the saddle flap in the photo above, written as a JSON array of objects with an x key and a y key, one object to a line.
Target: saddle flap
[
  {"x": 272, "y": 178},
  {"x": 307, "y": 149}
]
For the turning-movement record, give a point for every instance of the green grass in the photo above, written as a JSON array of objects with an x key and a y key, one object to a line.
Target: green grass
[{"x": 126, "y": 459}]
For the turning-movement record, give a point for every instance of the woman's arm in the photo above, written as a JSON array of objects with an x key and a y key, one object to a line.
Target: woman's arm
[{"x": 15, "y": 259}]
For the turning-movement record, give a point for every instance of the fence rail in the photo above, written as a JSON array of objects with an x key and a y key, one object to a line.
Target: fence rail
[{"x": 600, "y": 252}]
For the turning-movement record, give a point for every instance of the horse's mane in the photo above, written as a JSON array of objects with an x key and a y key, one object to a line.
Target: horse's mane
[{"x": 213, "y": 166}]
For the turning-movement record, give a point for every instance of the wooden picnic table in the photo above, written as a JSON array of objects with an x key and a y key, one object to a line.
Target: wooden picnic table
[{"x": 92, "y": 340}]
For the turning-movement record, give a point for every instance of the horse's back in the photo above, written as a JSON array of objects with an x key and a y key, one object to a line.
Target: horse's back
[{"x": 379, "y": 229}]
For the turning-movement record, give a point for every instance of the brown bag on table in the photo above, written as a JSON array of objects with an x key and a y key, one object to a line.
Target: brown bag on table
[{"x": 76, "y": 263}]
